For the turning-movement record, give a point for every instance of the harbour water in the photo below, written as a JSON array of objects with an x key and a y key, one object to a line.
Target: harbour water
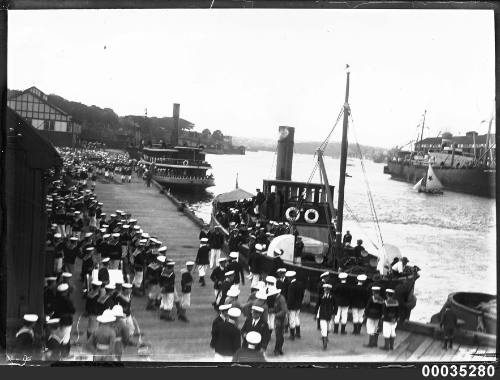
[{"x": 451, "y": 237}]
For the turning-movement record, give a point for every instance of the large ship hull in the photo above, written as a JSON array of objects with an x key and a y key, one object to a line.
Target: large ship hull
[
  {"x": 476, "y": 181},
  {"x": 184, "y": 183}
]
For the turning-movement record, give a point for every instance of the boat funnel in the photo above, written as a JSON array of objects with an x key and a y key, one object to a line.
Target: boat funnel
[
  {"x": 174, "y": 136},
  {"x": 285, "y": 153}
]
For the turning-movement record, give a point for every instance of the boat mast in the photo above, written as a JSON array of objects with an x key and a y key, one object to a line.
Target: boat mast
[
  {"x": 343, "y": 164},
  {"x": 422, "y": 133},
  {"x": 488, "y": 142}
]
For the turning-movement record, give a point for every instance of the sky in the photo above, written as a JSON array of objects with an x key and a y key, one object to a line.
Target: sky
[{"x": 247, "y": 71}]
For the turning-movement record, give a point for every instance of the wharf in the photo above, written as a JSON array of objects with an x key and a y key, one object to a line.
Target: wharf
[{"x": 178, "y": 341}]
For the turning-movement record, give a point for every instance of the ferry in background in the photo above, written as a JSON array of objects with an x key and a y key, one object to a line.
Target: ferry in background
[
  {"x": 465, "y": 164},
  {"x": 177, "y": 167}
]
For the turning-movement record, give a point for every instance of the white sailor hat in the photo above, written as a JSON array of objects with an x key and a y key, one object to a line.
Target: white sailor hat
[
  {"x": 89, "y": 249},
  {"x": 233, "y": 291},
  {"x": 58, "y": 235},
  {"x": 105, "y": 225},
  {"x": 281, "y": 270},
  {"x": 119, "y": 212},
  {"x": 105, "y": 260},
  {"x": 88, "y": 234},
  {"x": 258, "y": 308},
  {"x": 110, "y": 287},
  {"x": 189, "y": 263},
  {"x": 204, "y": 240},
  {"x": 324, "y": 274},
  {"x": 342, "y": 275},
  {"x": 252, "y": 236},
  {"x": 278, "y": 252},
  {"x": 234, "y": 312},
  {"x": 116, "y": 235},
  {"x": 376, "y": 288},
  {"x": 170, "y": 263},
  {"x": 229, "y": 273},
  {"x": 102, "y": 213},
  {"x": 253, "y": 337},
  {"x": 258, "y": 247},
  {"x": 77, "y": 213},
  {"x": 261, "y": 295},
  {"x": 53, "y": 321},
  {"x": 105, "y": 236},
  {"x": 290, "y": 273},
  {"x": 30, "y": 318},
  {"x": 67, "y": 275},
  {"x": 132, "y": 221},
  {"x": 113, "y": 215},
  {"x": 145, "y": 235},
  {"x": 273, "y": 291},
  {"x": 127, "y": 286},
  {"x": 106, "y": 317},
  {"x": 234, "y": 255},
  {"x": 143, "y": 241},
  {"x": 271, "y": 279},
  {"x": 100, "y": 204},
  {"x": 162, "y": 249},
  {"x": 126, "y": 226},
  {"x": 137, "y": 227},
  {"x": 96, "y": 282},
  {"x": 361, "y": 277},
  {"x": 221, "y": 260},
  {"x": 62, "y": 287},
  {"x": 224, "y": 307},
  {"x": 327, "y": 286},
  {"x": 103, "y": 230},
  {"x": 389, "y": 290},
  {"x": 51, "y": 278},
  {"x": 118, "y": 311},
  {"x": 161, "y": 258}
]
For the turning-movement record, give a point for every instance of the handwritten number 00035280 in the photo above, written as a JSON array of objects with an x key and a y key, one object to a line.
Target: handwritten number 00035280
[{"x": 460, "y": 370}]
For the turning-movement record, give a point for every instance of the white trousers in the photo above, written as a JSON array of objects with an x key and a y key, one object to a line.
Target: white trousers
[
  {"x": 389, "y": 329},
  {"x": 270, "y": 320},
  {"x": 324, "y": 326},
  {"x": 138, "y": 279},
  {"x": 357, "y": 315},
  {"x": 154, "y": 292},
  {"x": 185, "y": 300},
  {"x": 341, "y": 315},
  {"x": 214, "y": 257},
  {"x": 371, "y": 326},
  {"x": 61, "y": 230},
  {"x": 167, "y": 301},
  {"x": 202, "y": 270},
  {"x": 130, "y": 325},
  {"x": 294, "y": 318},
  {"x": 66, "y": 333}
]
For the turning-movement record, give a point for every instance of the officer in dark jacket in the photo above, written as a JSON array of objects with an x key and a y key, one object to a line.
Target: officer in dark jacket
[
  {"x": 92, "y": 307},
  {"x": 326, "y": 305},
  {"x": 103, "y": 274},
  {"x": 49, "y": 295},
  {"x": 448, "y": 322},
  {"x": 250, "y": 352},
  {"x": 294, "y": 302},
  {"x": 217, "y": 276},
  {"x": 64, "y": 310},
  {"x": 390, "y": 315},
  {"x": 202, "y": 260},
  {"x": 186, "y": 284},
  {"x": 277, "y": 262},
  {"x": 217, "y": 322},
  {"x": 235, "y": 266},
  {"x": 167, "y": 284},
  {"x": 153, "y": 273},
  {"x": 257, "y": 323},
  {"x": 324, "y": 278},
  {"x": 228, "y": 339},
  {"x": 373, "y": 313},
  {"x": 224, "y": 288},
  {"x": 341, "y": 293},
  {"x": 359, "y": 298},
  {"x": 282, "y": 282}
]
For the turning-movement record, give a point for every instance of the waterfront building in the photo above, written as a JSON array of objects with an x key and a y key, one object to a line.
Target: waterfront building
[{"x": 53, "y": 123}]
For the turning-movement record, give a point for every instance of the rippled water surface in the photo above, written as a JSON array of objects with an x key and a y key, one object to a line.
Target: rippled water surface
[{"x": 451, "y": 237}]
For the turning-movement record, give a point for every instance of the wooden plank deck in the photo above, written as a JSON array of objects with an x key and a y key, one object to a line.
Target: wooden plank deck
[{"x": 178, "y": 341}]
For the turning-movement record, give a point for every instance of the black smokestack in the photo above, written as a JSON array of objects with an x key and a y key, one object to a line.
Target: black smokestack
[
  {"x": 174, "y": 137},
  {"x": 285, "y": 153}
]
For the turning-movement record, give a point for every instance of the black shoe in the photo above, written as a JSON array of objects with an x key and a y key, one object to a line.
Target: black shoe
[
  {"x": 281, "y": 352},
  {"x": 386, "y": 345},
  {"x": 336, "y": 328},
  {"x": 325, "y": 343},
  {"x": 391, "y": 343},
  {"x": 292, "y": 334},
  {"x": 297, "y": 332},
  {"x": 317, "y": 324},
  {"x": 276, "y": 352}
]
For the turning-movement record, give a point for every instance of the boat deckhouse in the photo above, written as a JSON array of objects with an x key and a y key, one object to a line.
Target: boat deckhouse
[{"x": 53, "y": 123}]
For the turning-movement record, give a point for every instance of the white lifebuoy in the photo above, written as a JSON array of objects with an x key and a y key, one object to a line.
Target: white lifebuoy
[
  {"x": 292, "y": 218},
  {"x": 185, "y": 162},
  {"x": 311, "y": 220}
]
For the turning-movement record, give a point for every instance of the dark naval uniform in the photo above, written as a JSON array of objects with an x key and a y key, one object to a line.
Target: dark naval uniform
[
  {"x": 259, "y": 326},
  {"x": 218, "y": 321},
  {"x": 295, "y": 295},
  {"x": 25, "y": 342},
  {"x": 341, "y": 293},
  {"x": 373, "y": 313},
  {"x": 390, "y": 315},
  {"x": 326, "y": 306},
  {"x": 228, "y": 339},
  {"x": 359, "y": 297}
]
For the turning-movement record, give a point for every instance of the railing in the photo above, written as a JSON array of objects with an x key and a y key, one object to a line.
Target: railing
[{"x": 174, "y": 161}]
